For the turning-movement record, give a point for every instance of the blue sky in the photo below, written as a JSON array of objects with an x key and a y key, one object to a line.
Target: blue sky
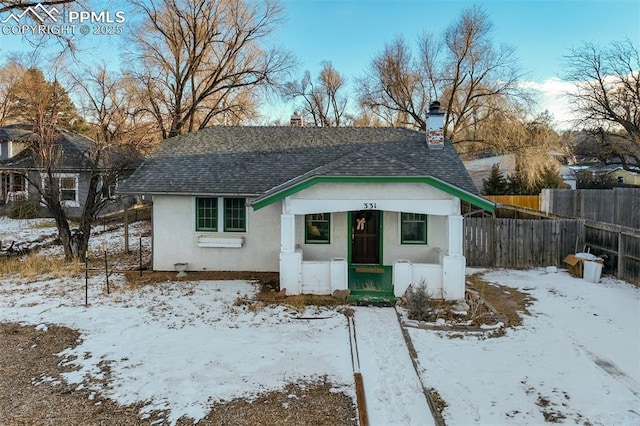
[{"x": 349, "y": 33}]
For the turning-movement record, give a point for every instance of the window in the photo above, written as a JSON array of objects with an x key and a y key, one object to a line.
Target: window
[
  {"x": 67, "y": 186},
  {"x": 217, "y": 214},
  {"x": 108, "y": 191},
  {"x": 206, "y": 214},
  {"x": 235, "y": 215},
  {"x": 19, "y": 183},
  {"x": 317, "y": 228},
  {"x": 413, "y": 228}
]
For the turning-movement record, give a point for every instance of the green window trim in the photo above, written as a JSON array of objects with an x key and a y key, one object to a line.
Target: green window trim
[
  {"x": 413, "y": 228},
  {"x": 317, "y": 228},
  {"x": 207, "y": 214},
  {"x": 215, "y": 214},
  {"x": 235, "y": 215}
]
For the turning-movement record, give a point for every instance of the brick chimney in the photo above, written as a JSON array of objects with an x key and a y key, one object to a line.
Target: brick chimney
[
  {"x": 435, "y": 126},
  {"x": 296, "y": 120}
]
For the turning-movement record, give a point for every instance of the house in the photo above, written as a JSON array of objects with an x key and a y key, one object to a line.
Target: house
[
  {"x": 373, "y": 210},
  {"x": 480, "y": 168},
  {"x": 73, "y": 171},
  {"x": 606, "y": 176}
]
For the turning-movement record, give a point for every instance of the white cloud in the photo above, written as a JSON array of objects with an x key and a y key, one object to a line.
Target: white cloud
[{"x": 551, "y": 95}]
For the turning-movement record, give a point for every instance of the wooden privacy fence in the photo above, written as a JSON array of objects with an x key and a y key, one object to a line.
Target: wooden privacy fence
[
  {"x": 620, "y": 246},
  {"x": 531, "y": 243},
  {"x": 519, "y": 243},
  {"x": 528, "y": 201},
  {"x": 619, "y": 205}
]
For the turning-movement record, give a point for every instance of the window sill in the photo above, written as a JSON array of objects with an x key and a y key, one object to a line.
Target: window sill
[{"x": 218, "y": 242}]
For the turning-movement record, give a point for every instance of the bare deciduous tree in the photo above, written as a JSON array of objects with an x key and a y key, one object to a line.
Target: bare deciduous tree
[
  {"x": 114, "y": 109},
  {"x": 472, "y": 79},
  {"x": 46, "y": 105},
  {"x": 324, "y": 101},
  {"x": 393, "y": 88},
  {"x": 200, "y": 58},
  {"x": 608, "y": 96}
]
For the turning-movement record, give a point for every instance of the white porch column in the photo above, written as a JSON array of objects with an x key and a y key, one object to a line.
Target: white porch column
[
  {"x": 453, "y": 265},
  {"x": 287, "y": 233},
  {"x": 290, "y": 258},
  {"x": 455, "y": 232}
]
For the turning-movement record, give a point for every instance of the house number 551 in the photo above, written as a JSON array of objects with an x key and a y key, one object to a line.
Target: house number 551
[{"x": 369, "y": 206}]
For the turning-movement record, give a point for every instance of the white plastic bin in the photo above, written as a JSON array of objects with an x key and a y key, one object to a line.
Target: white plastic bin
[{"x": 592, "y": 271}]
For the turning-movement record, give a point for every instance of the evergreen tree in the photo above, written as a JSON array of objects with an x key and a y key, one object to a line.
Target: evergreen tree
[
  {"x": 549, "y": 178},
  {"x": 496, "y": 184},
  {"x": 516, "y": 184},
  {"x": 37, "y": 100}
]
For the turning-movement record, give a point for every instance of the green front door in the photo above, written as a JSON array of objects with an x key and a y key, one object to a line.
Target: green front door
[{"x": 368, "y": 278}]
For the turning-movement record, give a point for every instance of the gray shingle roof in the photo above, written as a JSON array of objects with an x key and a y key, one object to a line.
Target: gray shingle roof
[
  {"x": 253, "y": 160},
  {"x": 74, "y": 150}
]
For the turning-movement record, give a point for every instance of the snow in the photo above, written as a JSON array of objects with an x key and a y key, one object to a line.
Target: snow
[
  {"x": 184, "y": 346},
  {"x": 579, "y": 350},
  {"x": 393, "y": 391}
]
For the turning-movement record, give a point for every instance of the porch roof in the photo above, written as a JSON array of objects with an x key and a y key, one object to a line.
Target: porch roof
[{"x": 298, "y": 185}]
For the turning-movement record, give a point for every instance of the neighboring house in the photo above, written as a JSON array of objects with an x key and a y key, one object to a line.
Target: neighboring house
[
  {"x": 73, "y": 171},
  {"x": 370, "y": 209},
  {"x": 568, "y": 174},
  {"x": 480, "y": 169},
  {"x": 606, "y": 176}
]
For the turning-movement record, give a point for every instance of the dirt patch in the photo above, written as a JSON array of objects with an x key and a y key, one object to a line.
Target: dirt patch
[
  {"x": 32, "y": 392},
  {"x": 153, "y": 277},
  {"x": 508, "y": 301},
  {"x": 31, "y": 389}
]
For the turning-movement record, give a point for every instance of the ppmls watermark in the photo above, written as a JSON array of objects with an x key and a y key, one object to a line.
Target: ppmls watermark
[{"x": 42, "y": 19}]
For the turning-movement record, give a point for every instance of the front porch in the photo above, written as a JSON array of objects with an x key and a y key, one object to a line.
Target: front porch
[
  {"x": 377, "y": 248},
  {"x": 375, "y": 236}
]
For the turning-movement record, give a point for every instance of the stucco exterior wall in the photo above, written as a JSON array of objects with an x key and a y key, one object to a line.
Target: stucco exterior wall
[
  {"x": 393, "y": 249},
  {"x": 339, "y": 197},
  {"x": 324, "y": 252},
  {"x": 175, "y": 239}
]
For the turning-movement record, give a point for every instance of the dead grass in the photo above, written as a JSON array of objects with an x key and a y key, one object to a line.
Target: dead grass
[
  {"x": 34, "y": 266},
  {"x": 32, "y": 392},
  {"x": 508, "y": 301}
]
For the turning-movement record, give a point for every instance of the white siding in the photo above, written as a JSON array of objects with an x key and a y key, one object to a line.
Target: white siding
[{"x": 176, "y": 240}]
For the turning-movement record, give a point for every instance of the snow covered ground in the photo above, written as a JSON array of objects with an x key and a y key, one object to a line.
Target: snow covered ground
[
  {"x": 182, "y": 346},
  {"x": 576, "y": 359}
]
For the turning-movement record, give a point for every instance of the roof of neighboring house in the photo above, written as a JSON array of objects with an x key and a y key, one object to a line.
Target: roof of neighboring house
[
  {"x": 74, "y": 148},
  {"x": 480, "y": 169},
  {"x": 604, "y": 168},
  {"x": 254, "y": 160}
]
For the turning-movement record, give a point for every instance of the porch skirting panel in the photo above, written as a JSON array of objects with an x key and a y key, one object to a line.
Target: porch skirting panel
[
  {"x": 312, "y": 277},
  {"x": 406, "y": 273}
]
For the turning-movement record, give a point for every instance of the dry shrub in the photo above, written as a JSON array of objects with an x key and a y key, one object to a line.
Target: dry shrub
[
  {"x": 478, "y": 309},
  {"x": 34, "y": 266},
  {"x": 420, "y": 306}
]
